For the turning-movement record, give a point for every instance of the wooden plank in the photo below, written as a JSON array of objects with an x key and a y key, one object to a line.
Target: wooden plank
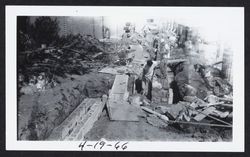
[
  {"x": 170, "y": 96},
  {"x": 163, "y": 117},
  {"x": 119, "y": 97},
  {"x": 170, "y": 61},
  {"x": 214, "y": 118},
  {"x": 166, "y": 119},
  {"x": 118, "y": 108},
  {"x": 120, "y": 84},
  {"x": 204, "y": 114}
]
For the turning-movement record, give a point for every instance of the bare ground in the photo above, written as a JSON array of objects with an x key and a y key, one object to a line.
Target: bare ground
[
  {"x": 143, "y": 131},
  {"x": 40, "y": 112}
]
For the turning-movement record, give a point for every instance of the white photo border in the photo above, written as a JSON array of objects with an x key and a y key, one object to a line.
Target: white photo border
[{"x": 235, "y": 14}]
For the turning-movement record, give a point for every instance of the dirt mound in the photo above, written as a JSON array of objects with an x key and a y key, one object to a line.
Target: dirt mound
[
  {"x": 47, "y": 110},
  {"x": 190, "y": 83},
  {"x": 98, "y": 86},
  {"x": 71, "y": 55},
  {"x": 39, "y": 113}
]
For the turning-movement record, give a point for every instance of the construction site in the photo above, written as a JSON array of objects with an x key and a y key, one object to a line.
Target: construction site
[{"x": 149, "y": 79}]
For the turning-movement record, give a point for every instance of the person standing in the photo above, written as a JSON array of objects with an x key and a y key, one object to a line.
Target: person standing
[{"x": 147, "y": 77}]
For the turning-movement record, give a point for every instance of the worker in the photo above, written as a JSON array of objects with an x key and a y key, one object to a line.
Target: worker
[
  {"x": 156, "y": 48},
  {"x": 147, "y": 77}
]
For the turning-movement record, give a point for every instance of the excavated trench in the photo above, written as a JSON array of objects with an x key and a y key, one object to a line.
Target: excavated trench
[
  {"x": 176, "y": 93},
  {"x": 39, "y": 113}
]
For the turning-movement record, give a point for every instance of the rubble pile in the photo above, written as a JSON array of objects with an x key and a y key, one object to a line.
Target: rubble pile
[
  {"x": 206, "y": 120},
  {"x": 196, "y": 109},
  {"x": 193, "y": 81},
  {"x": 79, "y": 42},
  {"x": 73, "y": 54},
  {"x": 202, "y": 95},
  {"x": 205, "y": 102}
]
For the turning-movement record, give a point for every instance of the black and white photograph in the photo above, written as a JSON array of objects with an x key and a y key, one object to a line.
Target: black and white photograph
[{"x": 141, "y": 75}]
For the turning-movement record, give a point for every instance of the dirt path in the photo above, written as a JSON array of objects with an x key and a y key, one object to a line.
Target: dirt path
[{"x": 129, "y": 131}]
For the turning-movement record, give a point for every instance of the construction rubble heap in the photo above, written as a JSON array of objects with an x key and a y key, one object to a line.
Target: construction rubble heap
[{"x": 74, "y": 54}]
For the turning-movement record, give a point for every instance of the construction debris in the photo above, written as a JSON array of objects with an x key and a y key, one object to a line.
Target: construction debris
[
  {"x": 40, "y": 68},
  {"x": 155, "y": 121},
  {"x": 196, "y": 87},
  {"x": 184, "y": 91}
]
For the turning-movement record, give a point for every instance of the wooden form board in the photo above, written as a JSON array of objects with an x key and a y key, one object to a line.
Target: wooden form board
[
  {"x": 73, "y": 120},
  {"x": 170, "y": 61},
  {"x": 86, "y": 122},
  {"x": 120, "y": 85},
  {"x": 118, "y": 107}
]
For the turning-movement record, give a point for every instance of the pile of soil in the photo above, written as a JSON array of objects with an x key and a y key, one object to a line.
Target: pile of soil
[
  {"x": 98, "y": 86},
  {"x": 188, "y": 76},
  {"x": 39, "y": 113},
  {"x": 71, "y": 55}
]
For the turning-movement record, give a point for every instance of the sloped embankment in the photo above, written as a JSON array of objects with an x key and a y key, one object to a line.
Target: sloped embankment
[{"x": 39, "y": 113}]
